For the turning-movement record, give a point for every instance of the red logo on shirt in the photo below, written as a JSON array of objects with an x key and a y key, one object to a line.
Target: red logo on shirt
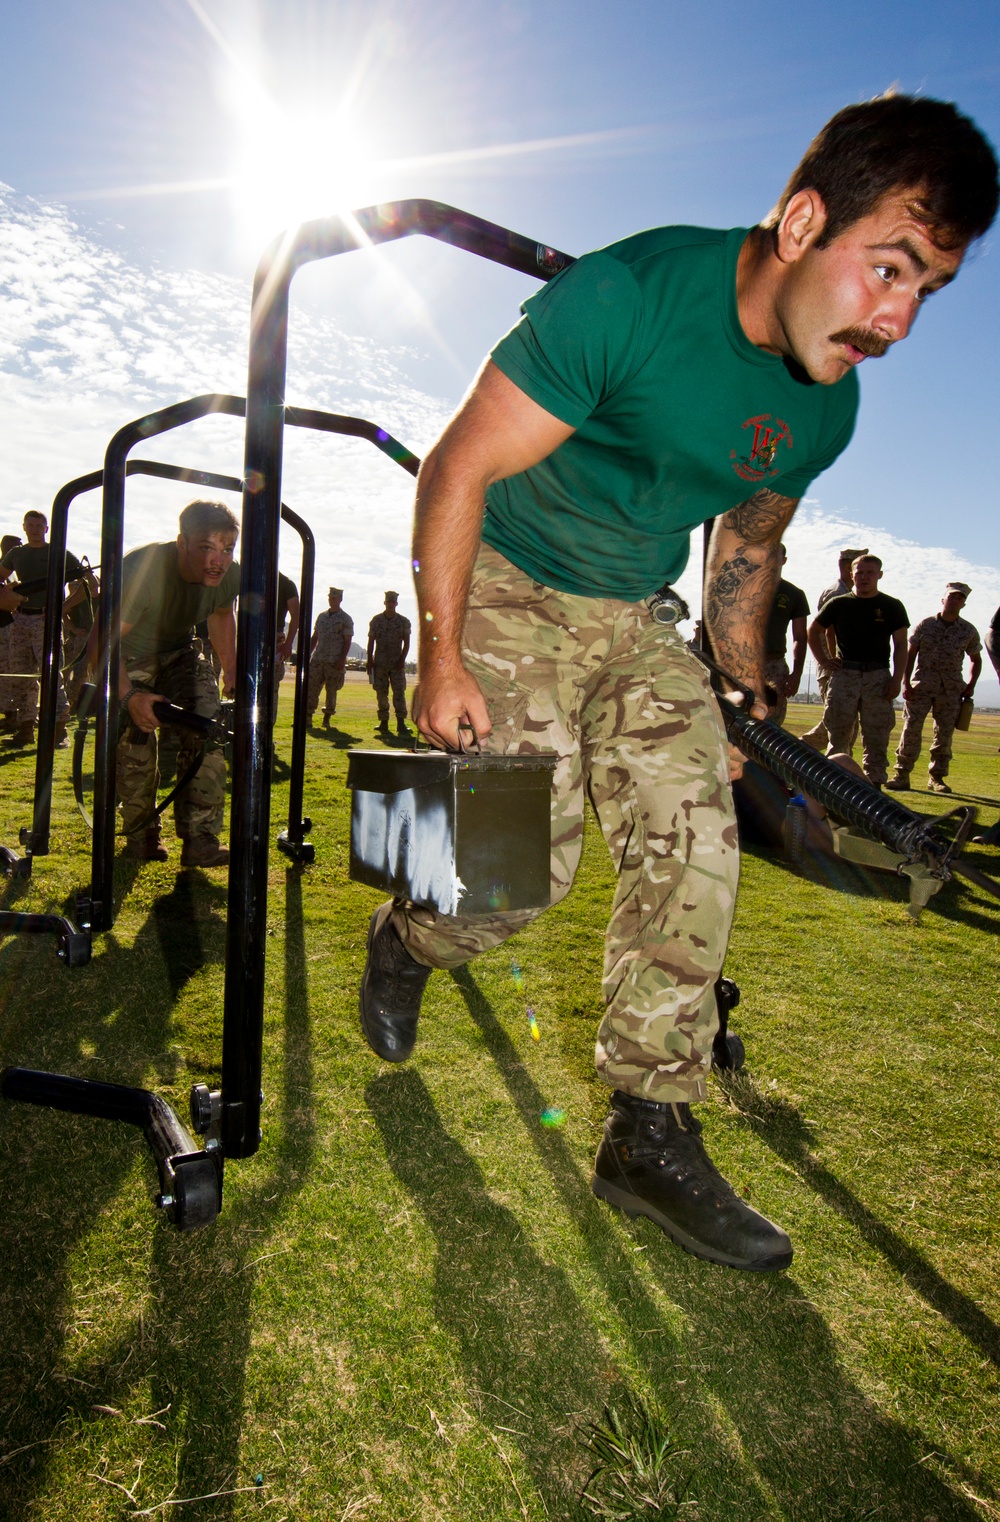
[{"x": 759, "y": 463}]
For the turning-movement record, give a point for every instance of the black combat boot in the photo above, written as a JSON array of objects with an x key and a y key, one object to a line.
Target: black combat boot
[
  {"x": 651, "y": 1162},
  {"x": 391, "y": 990}
]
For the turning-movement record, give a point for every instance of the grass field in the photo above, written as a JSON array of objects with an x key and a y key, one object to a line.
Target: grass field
[{"x": 412, "y": 1306}]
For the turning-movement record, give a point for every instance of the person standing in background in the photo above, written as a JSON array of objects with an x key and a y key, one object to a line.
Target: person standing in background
[
  {"x": 30, "y": 562},
  {"x": 388, "y": 644},
  {"x": 870, "y": 627},
  {"x": 817, "y": 736},
  {"x": 328, "y": 652},
  {"x": 790, "y": 606},
  {"x": 938, "y": 647}
]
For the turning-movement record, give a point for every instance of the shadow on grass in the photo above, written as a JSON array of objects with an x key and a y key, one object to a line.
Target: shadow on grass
[
  {"x": 60, "y": 1174},
  {"x": 524, "y": 1339},
  {"x": 812, "y": 1441},
  {"x": 787, "y": 1133},
  {"x": 338, "y": 738}
]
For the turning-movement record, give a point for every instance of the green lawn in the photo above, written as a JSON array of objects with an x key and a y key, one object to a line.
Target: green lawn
[{"x": 412, "y": 1306}]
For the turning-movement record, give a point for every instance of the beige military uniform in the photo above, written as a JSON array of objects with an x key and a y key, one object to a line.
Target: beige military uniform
[
  {"x": 936, "y": 688},
  {"x": 631, "y": 715},
  {"x": 334, "y": 631},
  {"x": 391, "y": 634},
  {"x": 818, "y": 735}
]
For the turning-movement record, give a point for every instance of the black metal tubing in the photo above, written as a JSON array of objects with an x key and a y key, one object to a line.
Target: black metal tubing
[
  {"x": 101, "y": 909},
  {"x": 292, "y": 840},
  {"x": 852, "y": 799},
  {"x": 190, "y": 1179},
  {"x": 243, "y": 1016},
  {"x": 37, "y": 838},
  {"x": 73, "y": 945}
]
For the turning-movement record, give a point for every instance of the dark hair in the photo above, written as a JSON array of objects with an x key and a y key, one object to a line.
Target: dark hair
[
  {"x": 861, "y": 558},
  {"x": 208, "y": 518},
  {"x": 900, "y": 142},
  {"x": 34, "y": 513}
]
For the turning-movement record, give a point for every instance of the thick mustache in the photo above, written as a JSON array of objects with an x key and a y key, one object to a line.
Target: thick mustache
[{"x": 871, "y": 344}]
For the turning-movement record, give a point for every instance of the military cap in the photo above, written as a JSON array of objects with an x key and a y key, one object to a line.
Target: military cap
[
  {"x": 393, "y": 596},
  {"x": 335, "y": 592},
  {"x": 958, "y": 586},
  {"x": 852, "y": 554}
]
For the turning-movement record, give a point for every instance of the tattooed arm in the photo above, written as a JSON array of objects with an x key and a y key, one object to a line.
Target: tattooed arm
[{"x": 744, "y": 567}]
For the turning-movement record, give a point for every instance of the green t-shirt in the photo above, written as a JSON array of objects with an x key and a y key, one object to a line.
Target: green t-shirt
[
  {"x": 790, "y": 602},
  {"x": 163, "y": 608},
  {"x": 30, "y": 564},
  {"x": 678, "y": 416},
  {"x": 864, "y": 626}
]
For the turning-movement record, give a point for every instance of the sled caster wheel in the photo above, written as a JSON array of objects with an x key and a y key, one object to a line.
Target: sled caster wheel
[
  {"x": 737, "y": 1052},
  {"x": 728, "y": 1054}
]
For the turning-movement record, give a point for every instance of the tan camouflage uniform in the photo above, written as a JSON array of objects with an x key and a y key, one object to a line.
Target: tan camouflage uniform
[
  {"x": 335, "y": 630},
  {"x": 26, "y": 634},
  {"x": 186, "y": 678},
  {"x": 936, "y": 687},
  {"x": 8, "y": 685},
  {"x": 629, "y": 710},
  {"x": 858, "y": 697},
  {"x": 390, "y": 631},
  {"x": 818, "y": 735}
]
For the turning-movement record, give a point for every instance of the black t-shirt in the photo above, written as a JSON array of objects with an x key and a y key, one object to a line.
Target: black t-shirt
[
  {"x": 286, "y": 591},
  {"x": 790, "y": 602},
  {"x": 864, "y": 626}
]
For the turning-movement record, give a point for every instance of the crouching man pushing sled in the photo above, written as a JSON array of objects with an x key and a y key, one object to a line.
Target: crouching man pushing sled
[
  {"x": 679, "y": 375},
  {"x": 166, "y": 590}
]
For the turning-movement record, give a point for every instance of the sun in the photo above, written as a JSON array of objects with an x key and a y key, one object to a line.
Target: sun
[{"x": 292, "y": 168}]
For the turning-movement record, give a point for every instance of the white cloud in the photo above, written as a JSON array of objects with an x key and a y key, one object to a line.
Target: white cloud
[
  {"x": 915, "y": 573},
  {"x": 89, "y": 341}
]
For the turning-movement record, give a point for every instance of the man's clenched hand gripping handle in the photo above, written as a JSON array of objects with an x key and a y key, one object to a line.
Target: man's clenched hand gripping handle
[
  {"x": 744, "y": 567},
  {"x": 497, "y": 432}
]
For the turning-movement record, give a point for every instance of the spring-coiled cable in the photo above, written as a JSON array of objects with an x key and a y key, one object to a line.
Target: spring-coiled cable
[{"x": 851, "y": 799}]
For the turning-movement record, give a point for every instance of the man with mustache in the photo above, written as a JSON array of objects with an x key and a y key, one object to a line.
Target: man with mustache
[{"x": 679, "y": 375}]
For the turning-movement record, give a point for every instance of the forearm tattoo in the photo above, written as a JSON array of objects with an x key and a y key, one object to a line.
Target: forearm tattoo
[
  {"x": 761, "y": 516},
  {"x": 729, "y": 578},
  {"x": 744, "y": 571}
]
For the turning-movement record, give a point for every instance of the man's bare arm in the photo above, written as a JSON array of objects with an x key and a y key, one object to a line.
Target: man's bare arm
[
  {"x": 222, "y": 633},
  {"x": 496, "y": 432},
  {"x": 285, "y": 645},
  {"x": 822, "y": 647},
  {"x": 899, "y": 662},
  {"x": 744, "y": 567},
  {"x": 798, "y": 656}
]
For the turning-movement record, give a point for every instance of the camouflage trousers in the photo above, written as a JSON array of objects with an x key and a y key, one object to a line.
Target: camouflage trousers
[
  {"x": 328, "y": 674},
  {"x": 186, "y": 678},
  {"x": 629, "y": 711},
  {"x": 384, "y": 677},
  {"x": 775, "y": 672},
  {"x": 74, "y": 663},
  {"x": 945, "y": 708},
  {"x": 856, "y": 698},
  {"x": 26, "y": 656},
  {"x": 8, "y": 686}
]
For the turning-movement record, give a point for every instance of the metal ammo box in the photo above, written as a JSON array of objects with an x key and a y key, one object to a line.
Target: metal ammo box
[{"x": 460, "y": 833}]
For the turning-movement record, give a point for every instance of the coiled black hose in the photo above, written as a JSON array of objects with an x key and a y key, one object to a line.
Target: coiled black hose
[{"x": 851, "y": 799}]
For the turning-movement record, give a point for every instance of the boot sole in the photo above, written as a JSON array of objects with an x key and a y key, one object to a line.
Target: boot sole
[
  {"x": 634, "y": 1207},
  {"x": 401, "y": 1057}
]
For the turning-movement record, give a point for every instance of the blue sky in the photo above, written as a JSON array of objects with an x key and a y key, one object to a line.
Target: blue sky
[{"x": 574, "y": 122}]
